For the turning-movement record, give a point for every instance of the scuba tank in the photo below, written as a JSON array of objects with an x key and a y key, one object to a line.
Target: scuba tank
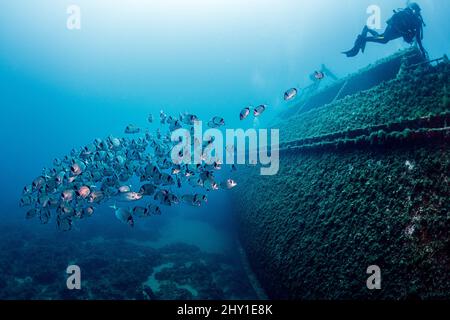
[{"x": 405, "y": 22}]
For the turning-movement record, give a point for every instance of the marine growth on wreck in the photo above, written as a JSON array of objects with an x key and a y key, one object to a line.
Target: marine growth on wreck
[{"x": 365, "y": 181}]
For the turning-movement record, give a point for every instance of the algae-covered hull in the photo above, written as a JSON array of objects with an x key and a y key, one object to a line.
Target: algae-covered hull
[{"x": 363, "y": 181}]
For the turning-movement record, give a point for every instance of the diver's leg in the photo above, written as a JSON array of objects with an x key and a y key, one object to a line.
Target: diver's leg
[
  {"x": 360, "y": 44},
  {"x": 367, "y": 30},
  {"x": 373, "y": 32},
  {"x": 391, "y": 34},
  {"x": 383, "y": 39},
  {"x": 379, "y": 39},
  {"x": 388, "y": 35}
]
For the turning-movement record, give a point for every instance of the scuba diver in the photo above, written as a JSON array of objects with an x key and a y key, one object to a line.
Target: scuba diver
[{"x": 405, "y": 23}]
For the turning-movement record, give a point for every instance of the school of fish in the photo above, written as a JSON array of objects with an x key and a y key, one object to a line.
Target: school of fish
[{"x": 102, "y": 170}]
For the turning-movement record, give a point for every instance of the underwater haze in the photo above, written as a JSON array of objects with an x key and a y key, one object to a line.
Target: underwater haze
[{"x": 61, "y": 88}]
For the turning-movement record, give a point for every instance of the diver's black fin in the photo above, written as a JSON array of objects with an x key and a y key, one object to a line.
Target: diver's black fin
[
  {"x": 351, "y": 53},
  {"x": 363, "y": 46},
  {"x": 360, "y": 44}
]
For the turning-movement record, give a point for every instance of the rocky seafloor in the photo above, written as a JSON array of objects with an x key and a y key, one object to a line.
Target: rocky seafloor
[
  {"x": 312, "y": 230},
  {"x": 33, "y": 265}
]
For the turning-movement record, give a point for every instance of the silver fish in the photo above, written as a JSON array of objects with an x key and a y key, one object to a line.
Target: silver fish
[
  {"x": 189, "y": 119},
  {"x": 244, "y": 113},
  {"x": 88, "y": 211},
  {"x": 130, "y": 196},
  {"x": 96, "y": 197},
  {"x": 166, "y": 179},
  {"x": 132, "y": 129},
  {"x": 31, "y": 213},
  {"x": 228, "y": 184},
  {"x": 27, "y": 189},
  {"x": 124, "y": 189},
  {"x": 44, "y": 215},
  {"x": 123, "y": 215},
  {"x": 140, "y": 212},
  {"x": 154, "y": 209},
  {"x": 290, "y": 94},
  {"x": 64, "y": 224},
  {"x": 216, "y": 122},
  {"x": 68, "y": 195},
  {"x": 147, "y": 189},
  {"x": 26, "y": 200},
  {"x": 259, "y": 110},
  {"x": 190, "y": 199},
  {"x": 83, "y": 192}
]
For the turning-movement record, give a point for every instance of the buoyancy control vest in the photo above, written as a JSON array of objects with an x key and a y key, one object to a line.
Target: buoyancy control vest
[{"x": 406, "y": 23}]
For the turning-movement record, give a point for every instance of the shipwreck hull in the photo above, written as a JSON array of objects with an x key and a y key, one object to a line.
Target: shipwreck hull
[{"x": 363, "y": 180}]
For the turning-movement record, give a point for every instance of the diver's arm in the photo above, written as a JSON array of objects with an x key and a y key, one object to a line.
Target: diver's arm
[{"x": 419, "y": 37}]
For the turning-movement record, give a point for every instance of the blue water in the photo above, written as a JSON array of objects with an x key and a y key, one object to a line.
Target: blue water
[{"x": 61, "y": 88}]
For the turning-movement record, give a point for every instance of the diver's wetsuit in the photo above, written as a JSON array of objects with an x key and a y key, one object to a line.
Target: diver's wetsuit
[{"x": 404, "y": 24}]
